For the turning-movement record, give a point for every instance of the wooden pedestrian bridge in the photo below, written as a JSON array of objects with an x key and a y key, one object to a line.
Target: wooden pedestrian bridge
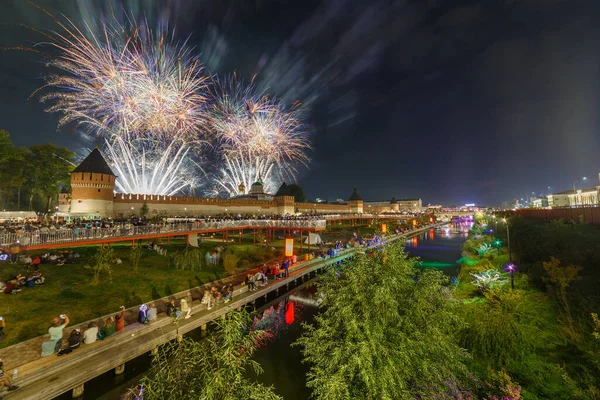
[
  {"x": 48, "y": 377},
  {"x": 229, "y": 228}
]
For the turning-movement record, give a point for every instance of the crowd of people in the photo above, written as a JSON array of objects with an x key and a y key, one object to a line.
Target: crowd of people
[
  {"x": 15, "y": 284},
  {"x": 40, "y": 231},
  {"x": 92, "y": 332}
]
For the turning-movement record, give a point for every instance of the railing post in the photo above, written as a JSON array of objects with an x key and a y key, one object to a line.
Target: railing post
[
  {"x": 77, "y": 392},
  {"x": 120, "y": 369}
]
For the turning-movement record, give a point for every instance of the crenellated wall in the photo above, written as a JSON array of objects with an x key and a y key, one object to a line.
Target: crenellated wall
[
  {"x": 322, "y": 208},
  {"x": 130, "y": 204}
]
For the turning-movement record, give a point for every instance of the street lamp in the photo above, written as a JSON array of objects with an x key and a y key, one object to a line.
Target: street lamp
[
  {"x": 575, "y": 190},
  {"x": 511, "y": 268},
  {"x": 508, "y": 239}
]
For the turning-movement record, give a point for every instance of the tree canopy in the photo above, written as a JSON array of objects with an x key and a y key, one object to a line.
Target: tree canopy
[
  {"x": 213, "y": 368},
  {"x": 384, "y": 332},
  {"x": 39, "y": 171}
]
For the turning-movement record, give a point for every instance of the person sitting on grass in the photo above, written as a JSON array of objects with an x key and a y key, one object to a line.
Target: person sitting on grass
[
  {"x": 5, "y": 380},
  {"x": 21, "y": 279},
  {"x": 35, "y": 278},
  {"x": 108, "y": 329},
  {"x": 91, "y": 333},
  {"x": 12, "y": 287}
]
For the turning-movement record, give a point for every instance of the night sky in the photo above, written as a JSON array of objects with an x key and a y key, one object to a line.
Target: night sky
[{"x": 451, "y": 101}]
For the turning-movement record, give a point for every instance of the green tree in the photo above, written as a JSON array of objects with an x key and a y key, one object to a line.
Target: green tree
[
  {"x": 6, "y": 151},
  {"x": 135, "y": 255},
  {"x": 19, "y": 163},
  {"x": 49, "y": 166},
  {"x": 144, "y": 210},
  {"x": 213, "y": 368},
  {"x": 298, "y": 193},
  {"x": 104, "y": 259},
  {"x": 558, "y": 278},
  {"x": 384, "y": 332}
]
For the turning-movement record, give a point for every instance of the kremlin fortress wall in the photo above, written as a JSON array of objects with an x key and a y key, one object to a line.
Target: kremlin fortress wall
[{"x": 92, "y": 193}]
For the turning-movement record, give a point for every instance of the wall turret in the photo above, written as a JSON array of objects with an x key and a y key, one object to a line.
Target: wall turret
[
  {"x": 92, "y": 186},
  {"x": 355, "y": 202}
]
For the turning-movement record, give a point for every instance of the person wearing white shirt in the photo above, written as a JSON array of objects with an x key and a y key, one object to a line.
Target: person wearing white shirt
[{"x": 91, "y": 333}]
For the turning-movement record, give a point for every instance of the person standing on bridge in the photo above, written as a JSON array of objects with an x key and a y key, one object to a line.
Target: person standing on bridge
[{"x": 286, "y": 267}]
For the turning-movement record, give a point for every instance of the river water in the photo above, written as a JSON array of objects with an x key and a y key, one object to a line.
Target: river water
[{"x": 282, "y": 363}]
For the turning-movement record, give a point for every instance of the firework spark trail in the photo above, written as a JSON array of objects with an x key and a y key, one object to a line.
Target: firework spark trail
[
  {"x": 236, "y": 171},
  {"x": 257, "y": 136},
  {"x": 144, "y": 167}
]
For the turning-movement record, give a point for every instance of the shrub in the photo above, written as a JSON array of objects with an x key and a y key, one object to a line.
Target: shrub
[
  {"x": 104, "y": 258},
  {"x": 494, "y": 331},
  {"x": 135, "y": 255},
  {"x": 188, "y": 260},
  {"x": 489, "y": 279},
  {"x": 230, "y": 261}
]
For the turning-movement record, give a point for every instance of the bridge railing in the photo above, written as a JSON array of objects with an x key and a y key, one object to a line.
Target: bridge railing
[{"x": 75, "y": 235}]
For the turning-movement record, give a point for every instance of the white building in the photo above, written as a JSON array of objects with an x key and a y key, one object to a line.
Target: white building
[{"x": 573, "y": 198}]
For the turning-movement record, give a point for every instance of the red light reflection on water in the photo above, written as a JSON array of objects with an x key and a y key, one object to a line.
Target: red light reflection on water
[{"x": 289, "y": 313}]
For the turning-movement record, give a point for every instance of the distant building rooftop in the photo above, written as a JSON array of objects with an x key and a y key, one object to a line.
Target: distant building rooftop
[{"x": 575, "y": 191}]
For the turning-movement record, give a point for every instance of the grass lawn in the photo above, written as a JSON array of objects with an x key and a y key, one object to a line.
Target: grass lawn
[{"x": 68, "y": 288}]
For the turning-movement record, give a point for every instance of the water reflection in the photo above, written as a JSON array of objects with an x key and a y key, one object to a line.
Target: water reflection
[
  {"x": 440, "y": 247},
  {"x": 451, "y": 231}
]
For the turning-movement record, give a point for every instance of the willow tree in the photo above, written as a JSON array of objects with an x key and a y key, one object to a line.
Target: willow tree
[
  {"x": 385, "y": 331},
  {"x": 211, "y": 369}
]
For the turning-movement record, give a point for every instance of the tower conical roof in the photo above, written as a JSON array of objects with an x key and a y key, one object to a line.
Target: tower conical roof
[
  {"x": 94, "y": 162},
  {"x": 355, "y": 195},
  {"x": 284, "y": 190}
]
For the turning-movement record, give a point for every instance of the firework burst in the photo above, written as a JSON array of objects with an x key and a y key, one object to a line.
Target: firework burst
[
  {"x": 132, "y": 82},
  {"x": 257, "y": 137}
]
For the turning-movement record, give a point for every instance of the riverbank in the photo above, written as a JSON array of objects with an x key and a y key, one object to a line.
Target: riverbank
[{"x": 517, "y": 336}]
